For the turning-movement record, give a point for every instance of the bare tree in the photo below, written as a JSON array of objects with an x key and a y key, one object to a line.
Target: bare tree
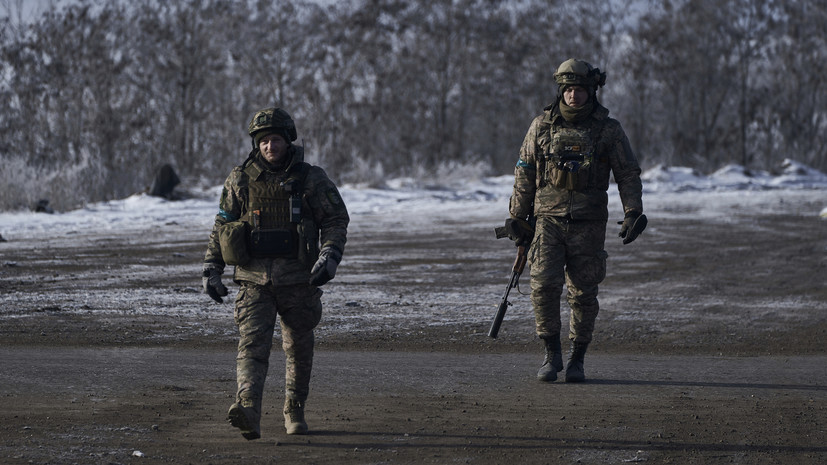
[
  {"x": 797, "y": 88},
  {"x": 392, "y": 87}
]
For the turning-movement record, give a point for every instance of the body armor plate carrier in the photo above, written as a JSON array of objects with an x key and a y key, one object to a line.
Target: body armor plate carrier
[
  {"x": 274, "y": 215},
  {"x": 570, "y": 158}
]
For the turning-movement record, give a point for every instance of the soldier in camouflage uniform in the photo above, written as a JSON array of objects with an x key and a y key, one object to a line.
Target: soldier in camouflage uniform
[
  {"x": 559, "y": 205},
  {"x": 283, "y": 224}
]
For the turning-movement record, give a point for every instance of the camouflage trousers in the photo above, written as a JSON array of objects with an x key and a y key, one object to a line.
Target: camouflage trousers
[
  {"x": 567, "y": 252},
  {"x": 256, "y": 309}
]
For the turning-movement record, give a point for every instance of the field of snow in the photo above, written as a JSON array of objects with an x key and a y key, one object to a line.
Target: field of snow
[
  {"x": 667, "y": 191},
  {"x": 423, "y": 257}
]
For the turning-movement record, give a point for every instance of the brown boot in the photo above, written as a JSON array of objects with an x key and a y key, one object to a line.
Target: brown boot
[
  {"x": 246, "y": 415},
  {"x": 294, "y": 417}
]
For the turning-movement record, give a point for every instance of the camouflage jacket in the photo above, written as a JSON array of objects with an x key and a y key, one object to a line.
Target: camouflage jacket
[
  {"x": 612, "y": 154},
  {"x": 324, "y": 220}
]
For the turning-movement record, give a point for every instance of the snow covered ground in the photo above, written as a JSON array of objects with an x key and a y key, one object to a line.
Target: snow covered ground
[
  {"x": 667, "y": 192},
  {"x": 423, "y": 257}
]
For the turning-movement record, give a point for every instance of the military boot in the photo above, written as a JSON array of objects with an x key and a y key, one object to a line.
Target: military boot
[
  {"x": 294, "y": 417},
  {"x": 553, "y": 362},
  {"x": 245, "y": 414},
  {"x": 574, "y": 367}
]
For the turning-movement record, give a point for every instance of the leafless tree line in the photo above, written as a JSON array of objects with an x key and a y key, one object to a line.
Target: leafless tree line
[{"x": 96, "y": 96}]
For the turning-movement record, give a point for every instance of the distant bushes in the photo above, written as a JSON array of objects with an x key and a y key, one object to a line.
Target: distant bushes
[{"x": 96, "y": 97}]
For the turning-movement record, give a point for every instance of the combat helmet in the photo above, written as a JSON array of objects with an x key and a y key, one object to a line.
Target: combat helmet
[
  {"x": 574, "y": 72},
  {"x": 272, "y": 120}
]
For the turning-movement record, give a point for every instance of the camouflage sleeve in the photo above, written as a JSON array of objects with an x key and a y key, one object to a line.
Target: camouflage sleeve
[
  {"x": 328, "y": 209},
  {"x": 525, "y": 174},
  {"x": 625, "y": 168},
  {"x": 230, "y": 208}
]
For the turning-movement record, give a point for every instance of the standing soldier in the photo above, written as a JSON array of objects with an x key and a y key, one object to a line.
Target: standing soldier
[
  {"x": 283, "y": 224},
  {"x": 561, "y": 182}
]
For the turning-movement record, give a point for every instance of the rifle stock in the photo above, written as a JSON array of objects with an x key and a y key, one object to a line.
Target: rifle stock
[{"x": 516, "y": 271}]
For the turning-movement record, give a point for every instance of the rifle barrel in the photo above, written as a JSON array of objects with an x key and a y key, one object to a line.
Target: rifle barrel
[{"x": 516, "y": 271}]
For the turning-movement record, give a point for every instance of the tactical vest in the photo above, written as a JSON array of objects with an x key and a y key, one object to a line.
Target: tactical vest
[
  {"x": 569, "y": 155},
  {"x": 274, "y": 213}
]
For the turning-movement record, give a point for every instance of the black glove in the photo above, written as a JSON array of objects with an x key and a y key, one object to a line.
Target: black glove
[
  {"x": 325, "y": 267},
  {"x": 519, "y": 231},
  {"x": 211, "y": 278},
  {"x": 633, "y": 224}
]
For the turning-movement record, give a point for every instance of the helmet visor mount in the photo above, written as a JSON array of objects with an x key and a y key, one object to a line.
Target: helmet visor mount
[{"x": 573, "y": 72}]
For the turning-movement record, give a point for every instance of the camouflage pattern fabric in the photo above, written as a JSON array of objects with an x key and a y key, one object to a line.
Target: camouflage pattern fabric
[
  {"x": 613, "y": 156},
  {"x": 571, "y": 253},
  {"x": 278, "y": 288},
  {"x": 257, "y": 307},
  {"x": 568, "y": 246},
  {"x": 325, "y": 221}
]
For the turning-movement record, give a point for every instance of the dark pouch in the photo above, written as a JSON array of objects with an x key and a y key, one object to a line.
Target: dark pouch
[{"x": 273, "y": 243}]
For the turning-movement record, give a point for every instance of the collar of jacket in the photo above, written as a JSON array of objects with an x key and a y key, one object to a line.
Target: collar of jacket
[
  {"x": 553, "y": 116},
  {"x": 258, "y": 167}
]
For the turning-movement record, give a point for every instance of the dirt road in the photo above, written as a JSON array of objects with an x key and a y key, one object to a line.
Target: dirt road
[
  {"x": 710, "y": 349},
  {"x": 414, "y": 407}
]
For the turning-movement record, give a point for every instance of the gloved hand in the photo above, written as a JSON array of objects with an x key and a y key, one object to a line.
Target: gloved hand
[
  {"x": 519, "y": 231},
  {"x": 633, "y": 224},
  {"x": 325, "y": 267},
  {"x": 211, "y": 278}
]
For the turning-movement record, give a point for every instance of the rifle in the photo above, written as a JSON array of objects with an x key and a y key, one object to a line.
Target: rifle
[{"x": 516, "y": 271}]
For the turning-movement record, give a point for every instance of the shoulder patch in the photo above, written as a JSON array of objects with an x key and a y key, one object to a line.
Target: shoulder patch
[
  {"x": 226, "y": 215},
  {"x": 522, "y": 164},
  {"x": 333, "y": 196}
]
